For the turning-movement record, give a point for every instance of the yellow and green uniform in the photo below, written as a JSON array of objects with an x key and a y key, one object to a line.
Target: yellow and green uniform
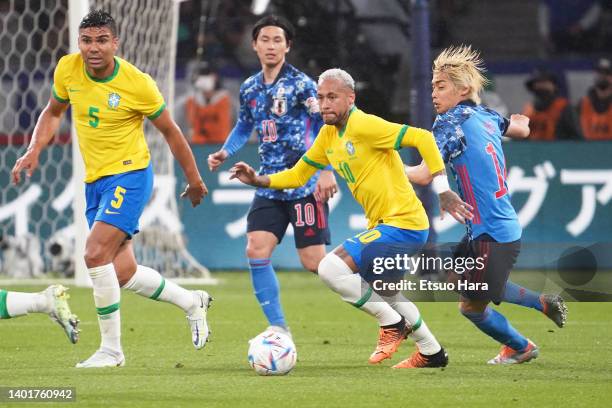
[
  {"x": 108, "y": 114},
  {"x": 365, "y": 154}
]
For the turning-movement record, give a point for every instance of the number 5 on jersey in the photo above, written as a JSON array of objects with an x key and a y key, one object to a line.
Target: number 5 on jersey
[{"x": 93, "y": 114}]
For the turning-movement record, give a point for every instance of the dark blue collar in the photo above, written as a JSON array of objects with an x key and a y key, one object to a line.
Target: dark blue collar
[{"x": 284, "y": 68}]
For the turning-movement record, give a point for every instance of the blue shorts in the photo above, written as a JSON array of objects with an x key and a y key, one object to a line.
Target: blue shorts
[
  {"x": 385, "y": 241},
  {"x": 120, "y": 199}
]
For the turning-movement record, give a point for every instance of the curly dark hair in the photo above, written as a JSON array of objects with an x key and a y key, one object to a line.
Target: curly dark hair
[{"x": 99, "y": 18}]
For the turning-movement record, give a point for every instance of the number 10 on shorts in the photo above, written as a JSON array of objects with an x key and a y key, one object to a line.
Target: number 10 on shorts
[{"x": 307, "y": 215}]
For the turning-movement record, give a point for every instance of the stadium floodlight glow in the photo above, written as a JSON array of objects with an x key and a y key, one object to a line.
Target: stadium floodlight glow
[{"x": 258, "y": 7}]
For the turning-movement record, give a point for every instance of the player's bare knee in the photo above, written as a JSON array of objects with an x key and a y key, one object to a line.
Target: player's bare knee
[
  {"x": 254, "y": 252},
  {"x": 311, "y": 263},
  {"x": 257, "y": 250},
  {"x": 96, "y": 255}
]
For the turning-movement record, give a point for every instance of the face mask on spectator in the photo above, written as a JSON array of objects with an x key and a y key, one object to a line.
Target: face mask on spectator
[
  {"x": 543, "y": 94},
  {"x": 205, "y": 83},
  {"x": 602, "y": 84}
]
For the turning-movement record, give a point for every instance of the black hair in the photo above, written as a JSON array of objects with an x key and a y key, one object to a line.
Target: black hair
[
  {"x": 277, "y": 21},
  {"x": 99, "y": 18}
]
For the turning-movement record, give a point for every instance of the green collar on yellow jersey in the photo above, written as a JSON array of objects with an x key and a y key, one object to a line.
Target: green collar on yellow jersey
[
  {"x": 108, "y": 78},
  {"x": 341, "y": 133}
]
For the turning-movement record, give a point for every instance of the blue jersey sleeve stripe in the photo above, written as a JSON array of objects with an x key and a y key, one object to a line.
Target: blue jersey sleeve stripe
[
  {"x": 400, "y": 137},
  {"x": 313, "y": 163}
]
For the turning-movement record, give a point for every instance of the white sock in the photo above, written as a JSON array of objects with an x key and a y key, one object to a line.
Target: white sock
[
  {"x": 21, "y": 303},
  {"x": 336, "y": 274},
  {"x": 149, "y": 283},
  {"x": 106, "y": 297},
  {"x": 424, "y": 339}
]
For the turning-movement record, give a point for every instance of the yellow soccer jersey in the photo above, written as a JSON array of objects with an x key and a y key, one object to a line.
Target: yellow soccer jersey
[
  {"x": 108, "y": 114},
  {"x": 365, "y": 154}
]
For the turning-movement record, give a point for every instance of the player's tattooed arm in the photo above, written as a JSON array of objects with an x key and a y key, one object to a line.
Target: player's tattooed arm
[
  {"x": 326, "y": 186},
  {"x": 450, "y": 202},
  {"x": 247, "y": 175},
  {"x": 419, "y": 174}
]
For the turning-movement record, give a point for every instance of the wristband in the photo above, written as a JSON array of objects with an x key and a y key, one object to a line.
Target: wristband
[{"x": 440, "y": 184}]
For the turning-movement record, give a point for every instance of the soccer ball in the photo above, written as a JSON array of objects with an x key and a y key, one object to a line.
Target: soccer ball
[{"x": 272, "y": 353}]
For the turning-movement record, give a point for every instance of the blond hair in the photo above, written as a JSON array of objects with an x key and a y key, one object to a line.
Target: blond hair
[
  {"x": 464, "y": 68},
  {"x": 339, "y": 75}
]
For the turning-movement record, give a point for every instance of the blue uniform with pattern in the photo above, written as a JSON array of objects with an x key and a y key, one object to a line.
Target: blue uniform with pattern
[
  {"x": 469, "y": 137},
  {"x": 285, "y": 115}
]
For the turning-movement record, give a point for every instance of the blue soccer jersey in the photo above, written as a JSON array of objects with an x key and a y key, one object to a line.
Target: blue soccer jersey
[
  {"x": 285, "y": 115},
  {"x": 469, "y": 138}
]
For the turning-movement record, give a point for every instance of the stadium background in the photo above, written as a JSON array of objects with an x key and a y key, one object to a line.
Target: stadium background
[{"x": 563, "y": 200}]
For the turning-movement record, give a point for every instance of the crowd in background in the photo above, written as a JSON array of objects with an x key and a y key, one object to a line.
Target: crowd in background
[
  {"x": 568, "y": 29},
  {"x": 569, "y": 33}
]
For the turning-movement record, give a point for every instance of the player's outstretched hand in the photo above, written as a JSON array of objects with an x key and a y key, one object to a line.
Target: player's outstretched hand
[
  {"x": 27, "y": 162},
  {"x": 326, "y": 186},
  {"x": 244, "y": 173},
  {"x": 454, "y": 205},
  {"x": 519, "y": 119},
  {"x": 195, "y": 192},
  {"x": 216, "y": 159}
]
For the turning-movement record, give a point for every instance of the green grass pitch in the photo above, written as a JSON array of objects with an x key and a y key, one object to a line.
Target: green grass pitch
[{"x": 334, "y": 341}]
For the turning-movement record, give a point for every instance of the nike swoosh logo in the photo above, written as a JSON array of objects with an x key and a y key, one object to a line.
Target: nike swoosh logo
[{"x": 110, "y": 212}]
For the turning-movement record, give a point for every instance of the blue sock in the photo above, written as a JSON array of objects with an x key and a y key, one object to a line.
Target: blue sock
[
  {"x": 497, "y": 326},
  {"x": 265, "y": 285},
  {"x": 521, "y": 296}
]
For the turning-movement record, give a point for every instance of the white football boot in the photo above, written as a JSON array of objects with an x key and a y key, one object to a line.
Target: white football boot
[
  {"x": 103, "y": 357},
  {"x": 197, "y": 319},
  {"x": 57, "y": 299}
]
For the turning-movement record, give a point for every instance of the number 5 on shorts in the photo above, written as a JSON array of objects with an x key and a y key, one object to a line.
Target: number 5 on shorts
[{"x": 119, "y": 192}]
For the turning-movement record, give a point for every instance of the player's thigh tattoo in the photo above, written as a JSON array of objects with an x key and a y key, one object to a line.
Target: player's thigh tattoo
[{"x": 346, "y": 257}]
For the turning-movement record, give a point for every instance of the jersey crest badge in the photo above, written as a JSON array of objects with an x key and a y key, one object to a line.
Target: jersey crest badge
[
  {"x": 113, "y": 100},
  {"x": 350, "y": 148},
  {"x": 279, "y": 102}
]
